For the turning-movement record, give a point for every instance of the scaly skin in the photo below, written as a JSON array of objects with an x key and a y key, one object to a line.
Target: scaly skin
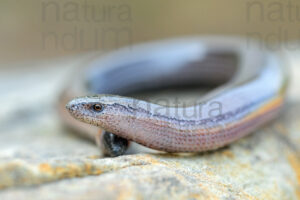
[{"x": 253, "y": 97}]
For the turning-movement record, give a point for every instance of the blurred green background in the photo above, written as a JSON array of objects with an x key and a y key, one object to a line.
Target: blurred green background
[{"x": 36, "y": 29}]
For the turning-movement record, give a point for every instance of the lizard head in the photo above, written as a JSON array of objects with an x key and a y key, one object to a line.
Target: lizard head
[{"x": 109, "y": 112}]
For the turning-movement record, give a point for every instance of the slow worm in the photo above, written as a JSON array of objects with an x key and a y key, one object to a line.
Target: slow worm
[{"x": 251, "y": 85}]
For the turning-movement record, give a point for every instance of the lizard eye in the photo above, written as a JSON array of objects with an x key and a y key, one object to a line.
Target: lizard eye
[{"x": 97, "y": 107}]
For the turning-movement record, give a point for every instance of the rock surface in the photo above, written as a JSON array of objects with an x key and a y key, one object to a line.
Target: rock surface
[{"x": 39, "y": 159}]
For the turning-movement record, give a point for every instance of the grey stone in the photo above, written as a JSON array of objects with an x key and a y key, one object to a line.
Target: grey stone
[{"x": 39, "y": 159}]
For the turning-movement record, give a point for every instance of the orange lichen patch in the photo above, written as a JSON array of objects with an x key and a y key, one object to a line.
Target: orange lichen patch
[
  {"x": 44, "y": 167},
  {"x": 245, "y": 165},
  {"x": 63, "y": 172},
  {"x": 76, "y": 170},
  {"x": 93, "y": 157},
  {"x": 88, "y": 168},
  {"x": 70, "y": 170},
  {"x": 228, "y": 154},
  {"x": 97, "y": 172},
  {"x": 295, "y": 163}
]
